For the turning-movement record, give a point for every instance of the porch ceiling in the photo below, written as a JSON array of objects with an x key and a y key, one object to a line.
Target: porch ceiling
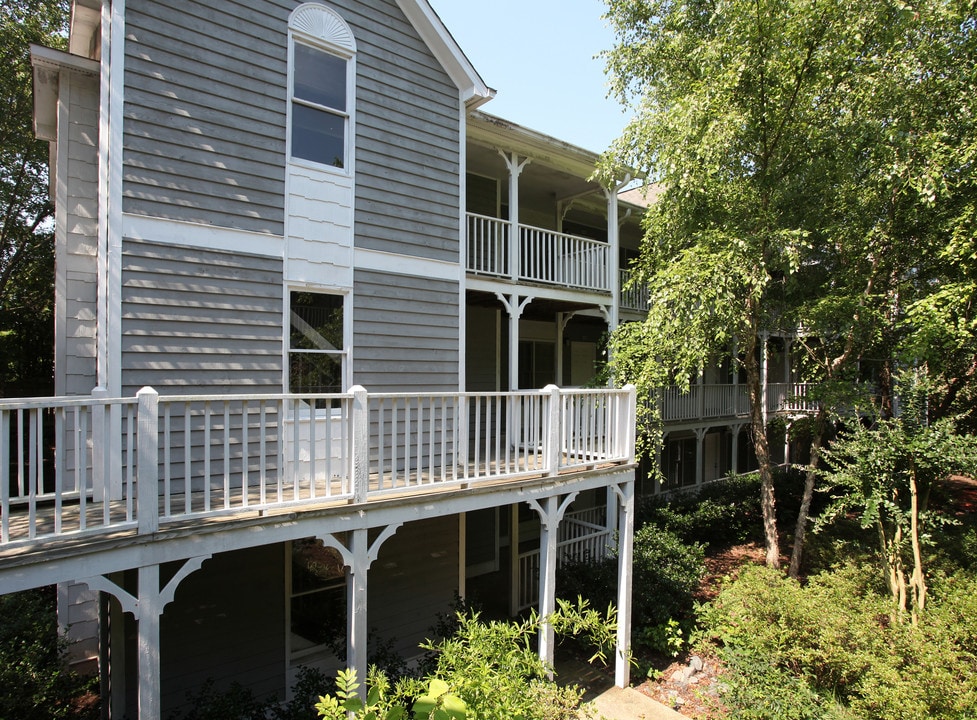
[{"x": 539, "y": 309}]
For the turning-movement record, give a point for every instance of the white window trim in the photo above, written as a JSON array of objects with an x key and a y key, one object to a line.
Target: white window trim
[
  {"x": 346, "y": 352},
  {"x": 322, "y": 28}
]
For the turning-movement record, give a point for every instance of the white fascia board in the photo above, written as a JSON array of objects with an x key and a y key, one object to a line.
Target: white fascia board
[
  {"x": 437, "y": 37},
  {"x": 48, "y": 64}
]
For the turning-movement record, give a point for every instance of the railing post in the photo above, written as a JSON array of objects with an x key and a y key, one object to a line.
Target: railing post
[
  {"x": 361, "y": 443},
  {"x": 147, "y": 470},
  {"x": 628, "y": 422},
  {"x": 100, "y": 448},
  {"x": 554, "y": 430}
]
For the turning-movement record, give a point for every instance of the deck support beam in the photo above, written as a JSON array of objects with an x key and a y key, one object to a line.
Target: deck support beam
[
  {"x": 358, "y": 557},
  {"x": 147, "y": 607},
  {"x": 625, "y": 554},
  {"x": 551, "y": 511}
]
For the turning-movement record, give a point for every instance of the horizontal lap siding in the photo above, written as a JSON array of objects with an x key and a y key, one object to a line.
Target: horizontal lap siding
[
  {"x": 200, "y": 320},
  {"x": 205, "y": 113},
  {"x": 419, "y": 567},
  {"x": 405, "y": 333},
  {"x": 227, "y": 623},
  {"x": 407, "y": 139},
  {"x": 77, "y": 258}
]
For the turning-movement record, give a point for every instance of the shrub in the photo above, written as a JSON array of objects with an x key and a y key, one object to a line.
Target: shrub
[
  {"x": 719, "y": 514},
  {"x": 667, "y": 572},
  {"x": 831, "y": 646},
  {"x": 35, "y": 680}
]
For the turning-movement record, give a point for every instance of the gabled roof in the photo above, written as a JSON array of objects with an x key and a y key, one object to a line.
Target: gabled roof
[{"x": 432, "y": 30}]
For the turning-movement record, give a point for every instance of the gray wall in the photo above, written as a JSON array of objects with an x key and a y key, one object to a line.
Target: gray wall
[
  {"x": 405, "y": 333},
  {"x": 205, "y": 128},
  {"x": 205, "y": 113},
  {"x": 200, "y": 319},
  {"x": 414, "y": 578},
  {"x": 76, "y": 257},
  {"x": 227, "y": 623}
]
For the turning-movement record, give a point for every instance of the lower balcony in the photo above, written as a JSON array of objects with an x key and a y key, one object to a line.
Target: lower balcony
[{"x": 77, "y": 469}]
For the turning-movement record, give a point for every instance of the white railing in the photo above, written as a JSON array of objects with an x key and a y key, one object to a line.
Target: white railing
[
  {"x": 79, "y": 466},
  {"x": 633, "y": 297},
  {"x": 583, "y": 536},
  {"x": 790, "y": 397},
  {"x": 543, "y": 256},
  {"x": 703, "y": 402},
  {"x": 488, "y": 245}
]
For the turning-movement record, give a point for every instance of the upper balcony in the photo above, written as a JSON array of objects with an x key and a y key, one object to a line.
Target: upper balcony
[
  {"x": 78, "y": 470},
  {"x": 544, "y": 257},
  {"x": 716, "y": 402}
]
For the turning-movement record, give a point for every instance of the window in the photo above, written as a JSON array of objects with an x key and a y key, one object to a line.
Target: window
[
  {"x": 322, "y": 55},
  {"x": 319, "y": 107},
  {"x": 317, "y": 597},
  {"x": 316, "y": 358}
]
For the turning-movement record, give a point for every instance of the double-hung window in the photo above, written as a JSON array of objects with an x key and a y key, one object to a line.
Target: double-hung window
[
  {"x": 322, "y": 65},
  {"x": 319, "y": 106},
  {"x": 316, "y": 357}
]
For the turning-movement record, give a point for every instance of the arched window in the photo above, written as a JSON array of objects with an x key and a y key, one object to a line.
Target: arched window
[{"x": 322, "y": 76}]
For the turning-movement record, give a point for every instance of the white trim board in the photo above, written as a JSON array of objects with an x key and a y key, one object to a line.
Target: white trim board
[
  {"x": 397, "y": 264},
  {"x": 197, "y": 235}
]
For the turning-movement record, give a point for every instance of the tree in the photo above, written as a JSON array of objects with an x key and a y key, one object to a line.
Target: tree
[
  {"x": 886, "y": 474},
  {"x": 26, "y": 232},
  {"x": 814, "y": 166}
]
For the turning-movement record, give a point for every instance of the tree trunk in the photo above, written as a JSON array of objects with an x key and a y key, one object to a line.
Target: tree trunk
[
  {"x": 768, "y": 503},
  {"x": 817, "y": 442}
]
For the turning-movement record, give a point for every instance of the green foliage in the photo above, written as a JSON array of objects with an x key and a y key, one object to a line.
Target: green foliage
[
  {"x": 495, "y": 669},
  {"x": 383, "y": 703},
  {"x": 667, "y": 638},
  {"x": 26, "y": 232},
  {"x": 885, "y": 475},
  {"x": 719, "y": 514},
  {"x": 235, "y": 702},
  {"x": 36, "y": 682},
  {"x": 828, "y": 649}
]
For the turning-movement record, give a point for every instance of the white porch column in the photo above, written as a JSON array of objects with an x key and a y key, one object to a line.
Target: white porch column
[
  {"x": 147, "y": 643},
  {"x": 550, "y": 514},
  {"x": 358, "y": 558},
  {"x": 146, "y": 607},
  {"x": 356, "y": 604},
  {"x": 614, "y": 259},
  {"x": 514, "y": 306},
  {"x": 515, "y": 167},
  {"x": 700, "y": 436},
  {"x": 625, "y": 552},
  {"x": 735, "y": 431}
]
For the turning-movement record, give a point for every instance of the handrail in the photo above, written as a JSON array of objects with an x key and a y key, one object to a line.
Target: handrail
[
  {"x": 82, "y": 466},
  {"x": 708, "y": 401},
  {"x": 542, "y": 256}
]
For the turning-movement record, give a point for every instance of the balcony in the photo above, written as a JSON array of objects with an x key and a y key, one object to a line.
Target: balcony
[
  {"x": 77, "y": 469},
  {"x": 543, "y": 257},
  {"x": 710, "y": 402}
]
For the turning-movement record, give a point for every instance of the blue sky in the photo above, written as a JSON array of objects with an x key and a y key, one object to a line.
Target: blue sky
[{"x": 539, "y": 57}]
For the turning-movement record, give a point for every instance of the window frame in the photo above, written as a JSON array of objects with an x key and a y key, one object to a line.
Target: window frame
[
  {"x": 344, "y": 353},
  {"x": 322, "y": 29}
]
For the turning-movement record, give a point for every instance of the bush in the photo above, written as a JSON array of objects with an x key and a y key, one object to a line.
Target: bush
[
  {"x": 832, "y": 647},
  {"x": 720, "y": 514},
  {"x": 35, "y": 680}
]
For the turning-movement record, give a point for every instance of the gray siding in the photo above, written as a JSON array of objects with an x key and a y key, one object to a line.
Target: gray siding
[
  {"x": 414, "y": 578},
  {"x": 205, "y": 113},
  {"x": 407, "y": 139},
  {"x": 205, "y": 110},
  {"x": 200, "y": 318},
  {"x": 77, "y": 257},
  {"x": 227, "y": 623},
  {"x": 405, "y": 333}
]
